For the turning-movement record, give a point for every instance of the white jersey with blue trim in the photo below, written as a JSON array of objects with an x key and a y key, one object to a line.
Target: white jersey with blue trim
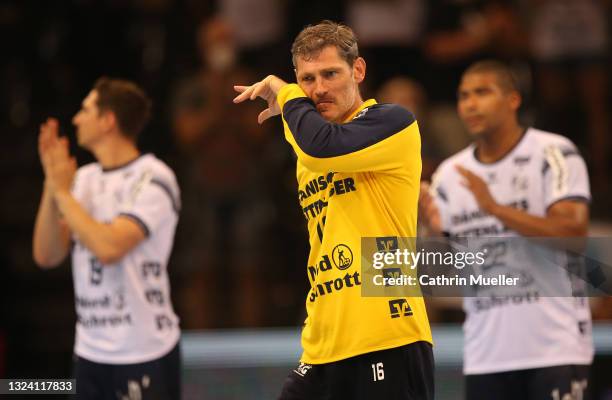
[
  {"x": 539, "y": 323},
  {"x": 124, "y": 312}
]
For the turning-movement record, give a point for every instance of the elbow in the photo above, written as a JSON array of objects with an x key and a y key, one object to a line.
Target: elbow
[
  {"x": 109, "y": 256},
  {"x": 49, "y": 254},
  {"x": 110, "y": 252},
  {"x": 46, "y": 261},
  {"x": 581, "y": 231},
  {"x": 577, "y": 229},
  {"x": 107, "y": 259}
]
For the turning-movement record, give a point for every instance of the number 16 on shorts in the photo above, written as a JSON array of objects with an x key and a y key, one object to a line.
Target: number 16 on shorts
[{"x": 378, "y": 373}]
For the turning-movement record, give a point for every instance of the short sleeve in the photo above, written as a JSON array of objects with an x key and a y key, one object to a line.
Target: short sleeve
[
  {"x": 151, "y": 200},
  {"x": 565, "y": 175}
]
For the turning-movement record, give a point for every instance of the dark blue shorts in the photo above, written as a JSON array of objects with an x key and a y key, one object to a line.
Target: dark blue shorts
[
  {"x": 159, "y": 379},
  {"x": 559, "y": 382}
]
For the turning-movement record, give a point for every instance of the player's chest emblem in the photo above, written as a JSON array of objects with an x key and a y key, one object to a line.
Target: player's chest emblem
[{"x": 520, "y": 183}]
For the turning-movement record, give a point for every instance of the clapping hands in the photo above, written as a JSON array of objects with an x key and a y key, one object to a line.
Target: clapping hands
[{"x": 58, "y": 165}]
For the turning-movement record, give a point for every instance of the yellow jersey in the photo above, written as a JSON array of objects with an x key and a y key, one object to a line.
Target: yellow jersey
[{"x": 356, "y": 179}]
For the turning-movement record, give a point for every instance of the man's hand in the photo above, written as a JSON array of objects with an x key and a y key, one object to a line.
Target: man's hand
[
  {"x": 428, "y": 210},
  {"x": 51, "y": 241},
  {"x": 479, "y": 189},
  {"x": 47, "y": 138},
  {"x": 267, "y": 89},
  {"x": 61, "y": 168}
]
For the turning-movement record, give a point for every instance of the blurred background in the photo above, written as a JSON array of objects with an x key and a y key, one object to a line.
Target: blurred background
[{"x": 241, "y": 246}]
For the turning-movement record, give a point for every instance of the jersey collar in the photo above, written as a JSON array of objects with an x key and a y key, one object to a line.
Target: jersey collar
[
  {"x": 506, "y": 155},
  {"x": 124, "y": 165},
  {"x": 365, "y": 104}
]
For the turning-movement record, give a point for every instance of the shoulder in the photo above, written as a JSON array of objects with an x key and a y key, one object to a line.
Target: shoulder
[
  {"x": 89, "y": 168},
  {"x": 160, "y": 175},
  {"x": 389, "y": 115},
  {"x": 542, "y": 140},
  {"x": 88, "y": 171},
  {"x": 553, "y": 150},
  {"x": 151, "y": 170},
  {"x": 152, "y": 165}
]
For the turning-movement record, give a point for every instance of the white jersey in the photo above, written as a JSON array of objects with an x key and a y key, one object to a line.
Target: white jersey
[
  {"x": 526, "y": 329},
  {"x": 124, "y": 313}
]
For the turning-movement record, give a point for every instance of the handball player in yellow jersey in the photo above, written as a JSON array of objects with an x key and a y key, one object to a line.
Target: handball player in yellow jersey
[{"x": 358, "y": 172}]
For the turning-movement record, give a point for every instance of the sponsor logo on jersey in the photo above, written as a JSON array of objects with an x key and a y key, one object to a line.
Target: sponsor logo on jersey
[
  {"x": 314, "y": 186},
  {"x": 155, "y": 297},
  {"x": 319, "y": 184},
  {"x": 387, "y": 244},
  {"x": 399, "y": 308},
  {"x": 84, "y": 302},
  {"x": 391, "y": 272},
  {"x": 334, "y": 285},
  {"x": 151, "y": 269},
  {"x": 323, "y": 265},
  {"x": 521, "y": 160},
  {"x": 465, "y": 217},
  {"x": 162, "y": 322},
  {"x": 493, "y": 301},
  {"x": 342, "y": 256},
  {"x": 104, "y": 321}
]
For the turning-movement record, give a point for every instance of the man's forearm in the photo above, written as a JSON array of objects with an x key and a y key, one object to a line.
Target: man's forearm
[
  {"x": 96, "y": 236},
  {"x": 51, "y": 241},
  {"x": 530, "y": 225}
]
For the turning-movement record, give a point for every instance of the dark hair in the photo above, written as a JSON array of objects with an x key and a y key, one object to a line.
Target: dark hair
[
  {"x": 505, "y": 76},
  {"x": 127, "y": 101},
  {"x": 312, "y": 39}
]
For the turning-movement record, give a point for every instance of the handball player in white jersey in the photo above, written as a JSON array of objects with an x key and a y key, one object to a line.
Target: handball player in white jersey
[
  {"x": 515, "y": 182},
  {"x": 118, "y": 217}
]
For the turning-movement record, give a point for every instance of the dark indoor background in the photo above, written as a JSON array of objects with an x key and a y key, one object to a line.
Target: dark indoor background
[{"x": 241, "y": 244}]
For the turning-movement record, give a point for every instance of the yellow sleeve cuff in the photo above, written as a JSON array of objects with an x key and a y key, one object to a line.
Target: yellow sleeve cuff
[{"x": 289, "y": 92}]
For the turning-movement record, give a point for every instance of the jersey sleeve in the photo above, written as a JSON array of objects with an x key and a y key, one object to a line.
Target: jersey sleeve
[
  {"x": 565, "y": 175},
  {"x": 152, "y": 199},
  {"x": 439, "y": 192},
  {"x": 380, "y": 138}
]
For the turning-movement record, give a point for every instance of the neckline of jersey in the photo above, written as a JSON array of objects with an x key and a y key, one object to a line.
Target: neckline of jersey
[
  {"x": 127, "y": 164},
  {"x": 505, "y": 156},
  {"x": 365, "y": 104}
]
